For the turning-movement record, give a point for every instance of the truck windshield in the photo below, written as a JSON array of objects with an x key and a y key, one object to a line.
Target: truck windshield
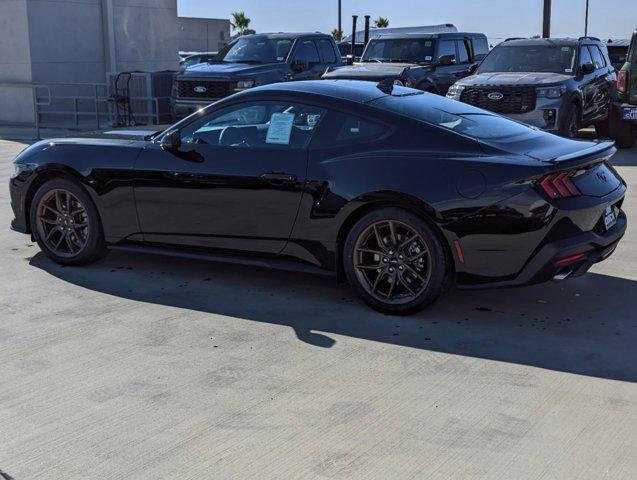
[
  {"x": 409, "y": 50},
  {"x": 530, "y": 58},
  {"x": 256, "y": 50}
]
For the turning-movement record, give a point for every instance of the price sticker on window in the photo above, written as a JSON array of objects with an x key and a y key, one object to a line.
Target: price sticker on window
[{"x": 280, "y": 128}]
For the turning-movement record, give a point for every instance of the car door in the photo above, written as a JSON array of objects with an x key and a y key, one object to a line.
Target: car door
[
  {"x": 231, "y": 180},
  {"x": 588, "y": 85},
  {"x": 603, "y": 83},
  {"x": 306, "y": 61},
  {"x": 447, "y": 74}
]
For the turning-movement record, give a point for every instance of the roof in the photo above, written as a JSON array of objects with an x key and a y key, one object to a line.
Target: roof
[
  {"x": 427, "y": 35},
  {"x": 619, "y": 42},
  {"x": 352, "y": 90},
  {"x": 442, "y": 28},
  {"x": 546, "y": 41},
  {"x": 276, "y": 35}
]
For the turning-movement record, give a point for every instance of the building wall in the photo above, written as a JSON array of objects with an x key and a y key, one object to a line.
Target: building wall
[
  {"x": 202, "y": 34},
  {"x": 16, "y": 105}
]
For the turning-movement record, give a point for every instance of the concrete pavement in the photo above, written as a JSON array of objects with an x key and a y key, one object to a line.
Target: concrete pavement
[{"x": 142, "y": 367}]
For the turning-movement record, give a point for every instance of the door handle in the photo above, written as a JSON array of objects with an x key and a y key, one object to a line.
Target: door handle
[{"x": 278, "y": 178}]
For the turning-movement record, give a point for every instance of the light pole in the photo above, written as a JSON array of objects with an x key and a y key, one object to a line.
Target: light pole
[
  {"x": 340, "y": 27},
  {"x": 586, "y": 21},
  {"x": 546, "y": 24}
]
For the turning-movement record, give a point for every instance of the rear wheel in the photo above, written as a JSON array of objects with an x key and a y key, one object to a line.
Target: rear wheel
[
  {"x": 65, "y": 223},
  {"x": 394, "y": 261}
]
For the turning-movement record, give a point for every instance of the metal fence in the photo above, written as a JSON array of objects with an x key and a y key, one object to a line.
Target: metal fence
[{"x": 80, "y": 106}]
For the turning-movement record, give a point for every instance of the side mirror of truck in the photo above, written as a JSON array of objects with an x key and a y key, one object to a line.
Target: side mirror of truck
[
  {"x": 447, "y": 60},
  {"x": 473, "y": 68},
  {"x": 588, "y": 67},
  {"x": 299, "y": 66}
]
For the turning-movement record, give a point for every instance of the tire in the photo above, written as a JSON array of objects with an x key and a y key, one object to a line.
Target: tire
[
  {"x": 571, "y": 121},
  {"x": 77, "y": 229},
  {"x": 602, "y": 129},
  {"x": 388, "y": 278},
  {"x": 622, "y": 132}
]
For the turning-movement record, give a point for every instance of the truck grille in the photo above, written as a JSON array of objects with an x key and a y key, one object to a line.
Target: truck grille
[
  {"x": 514, "y": 99},
  {"x": 213, "y": 89}
]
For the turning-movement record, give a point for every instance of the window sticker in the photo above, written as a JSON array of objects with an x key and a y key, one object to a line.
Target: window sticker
[
  {"x": 428, "y": 58},
  {"x": 280, "y": 59},
  {"x": 428, "y": 44},
  {"x": 280, "y": 128},
  {"x": 568, "y": 70},
  {"x": 566, "y": 49}
]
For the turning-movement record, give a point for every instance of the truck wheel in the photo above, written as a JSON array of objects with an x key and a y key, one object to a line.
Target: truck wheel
[
  {"x": 570, "y": 121},
  {"x": 622, "y": 132}
]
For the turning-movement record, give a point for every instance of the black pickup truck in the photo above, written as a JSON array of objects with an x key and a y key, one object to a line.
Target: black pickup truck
[
  {"x": 253, "y": 60},
  {"x": 427, "y": 61}
]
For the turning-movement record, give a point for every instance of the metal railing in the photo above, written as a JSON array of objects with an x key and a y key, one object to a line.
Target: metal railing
[{"x": 88, "y": 100}]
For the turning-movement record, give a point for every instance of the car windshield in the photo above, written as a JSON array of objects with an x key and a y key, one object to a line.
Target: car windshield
[
  {"x": 256, "y": 50},
  {"x": 469, "y": 121},
  {"x": 415, "y": 50},
  {"x": 530, "y": 58}
]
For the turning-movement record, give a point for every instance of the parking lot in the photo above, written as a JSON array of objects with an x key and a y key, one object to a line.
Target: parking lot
[{"x": 143, "y": 367}]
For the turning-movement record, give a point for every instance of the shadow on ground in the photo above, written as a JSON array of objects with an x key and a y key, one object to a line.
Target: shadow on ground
[{"x": 585, "y": 326}]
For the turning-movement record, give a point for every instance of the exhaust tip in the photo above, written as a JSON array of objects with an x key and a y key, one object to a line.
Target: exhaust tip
[{"x": 563, "y": 275}]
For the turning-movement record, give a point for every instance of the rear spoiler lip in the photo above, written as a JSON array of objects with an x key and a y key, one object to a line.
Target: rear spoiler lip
[{"x": 607, "y": 146}]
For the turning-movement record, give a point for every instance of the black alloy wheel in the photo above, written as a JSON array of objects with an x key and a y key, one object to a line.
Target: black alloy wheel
[
  {"x": 395, "y": 261},
  {"x": 65, "y": 223}
]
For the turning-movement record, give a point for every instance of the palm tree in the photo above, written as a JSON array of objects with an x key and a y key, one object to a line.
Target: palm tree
[
  {"x": 240, "y": 22},
  {"x": 337, "y": 34},
  {"x": 381, "y": 22}
]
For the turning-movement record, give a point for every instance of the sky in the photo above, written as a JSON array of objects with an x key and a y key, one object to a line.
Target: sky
[{"x": 495, "y": 18}]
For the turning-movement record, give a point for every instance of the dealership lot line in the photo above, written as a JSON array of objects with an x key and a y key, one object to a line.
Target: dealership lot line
[{"x": 143, "y": 367}]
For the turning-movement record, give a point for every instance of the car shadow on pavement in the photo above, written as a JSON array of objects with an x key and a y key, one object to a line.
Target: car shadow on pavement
[{"x": 585, "y": 326}]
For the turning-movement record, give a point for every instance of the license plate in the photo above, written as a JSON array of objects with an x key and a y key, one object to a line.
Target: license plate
[
  {"x": 629, "y": 113},
  {"x": 609, "y": 217}
]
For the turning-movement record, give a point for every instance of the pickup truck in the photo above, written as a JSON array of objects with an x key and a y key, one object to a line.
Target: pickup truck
[
  {"x": 427, "y": 61},
  {"x": 250, "y": 61},
  {"x": 624, "y": 111}
]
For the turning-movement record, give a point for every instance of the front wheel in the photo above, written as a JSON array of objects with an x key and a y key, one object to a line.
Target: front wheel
[
  {"x": 66, "y": 224},
  {"x": 571, "y": 122},
  {"x": 394, "y": 261}
]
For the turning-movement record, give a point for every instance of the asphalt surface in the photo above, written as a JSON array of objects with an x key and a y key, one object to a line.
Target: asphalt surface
[{"x": 142, "y": 367}]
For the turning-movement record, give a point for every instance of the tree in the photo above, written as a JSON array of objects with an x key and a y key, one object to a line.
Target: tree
[
  {"x": 381, "y": 22},
  {"x": 240, "y": 22},
  {"x": 337, "y": 34}
]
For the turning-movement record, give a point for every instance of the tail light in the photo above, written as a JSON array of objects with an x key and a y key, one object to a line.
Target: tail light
[
  {"x": 559, "y": 185},
  {"x": 622, "y": 81}
]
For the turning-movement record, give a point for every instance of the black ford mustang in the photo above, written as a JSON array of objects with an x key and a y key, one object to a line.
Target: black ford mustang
[{"x": 393, "y": 189}]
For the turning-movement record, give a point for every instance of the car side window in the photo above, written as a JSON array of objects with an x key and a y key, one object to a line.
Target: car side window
[
  {"x": 327, "y": 51},
  {"x": 584, "y": 56},
  {"x": 353, "y": 129},
  {"x": 306, "y": 52},
  {"x": 480, "y": 48},
  {"x": 446, "y": 48},
  {"x": 256, "y": 125},
  {"x": 598, "y": 58},
  {"x": 463, "y": 54}
]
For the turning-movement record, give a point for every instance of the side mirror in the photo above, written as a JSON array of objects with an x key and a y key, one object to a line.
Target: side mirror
[
  {"x": 588, "y": 67},
  {"x": 473, "y": 68},
  {"x": 447, "y": 60},
  {"x": 299, "y": 66},
  {"x": 171, "y": 141},
  {"x": 349, "y": 59}
]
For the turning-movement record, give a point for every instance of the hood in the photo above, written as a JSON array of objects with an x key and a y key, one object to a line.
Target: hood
[
  {"x": 362, "y": 71},
  {"x": 227, "y": 70},
  {"x": 515, "y": 78}
]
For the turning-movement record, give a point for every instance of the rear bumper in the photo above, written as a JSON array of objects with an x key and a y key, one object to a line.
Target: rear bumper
[{"x": 542, "y": 267}]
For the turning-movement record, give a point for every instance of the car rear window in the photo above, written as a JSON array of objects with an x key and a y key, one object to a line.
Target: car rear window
[{"x": 456, "y": 117}]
